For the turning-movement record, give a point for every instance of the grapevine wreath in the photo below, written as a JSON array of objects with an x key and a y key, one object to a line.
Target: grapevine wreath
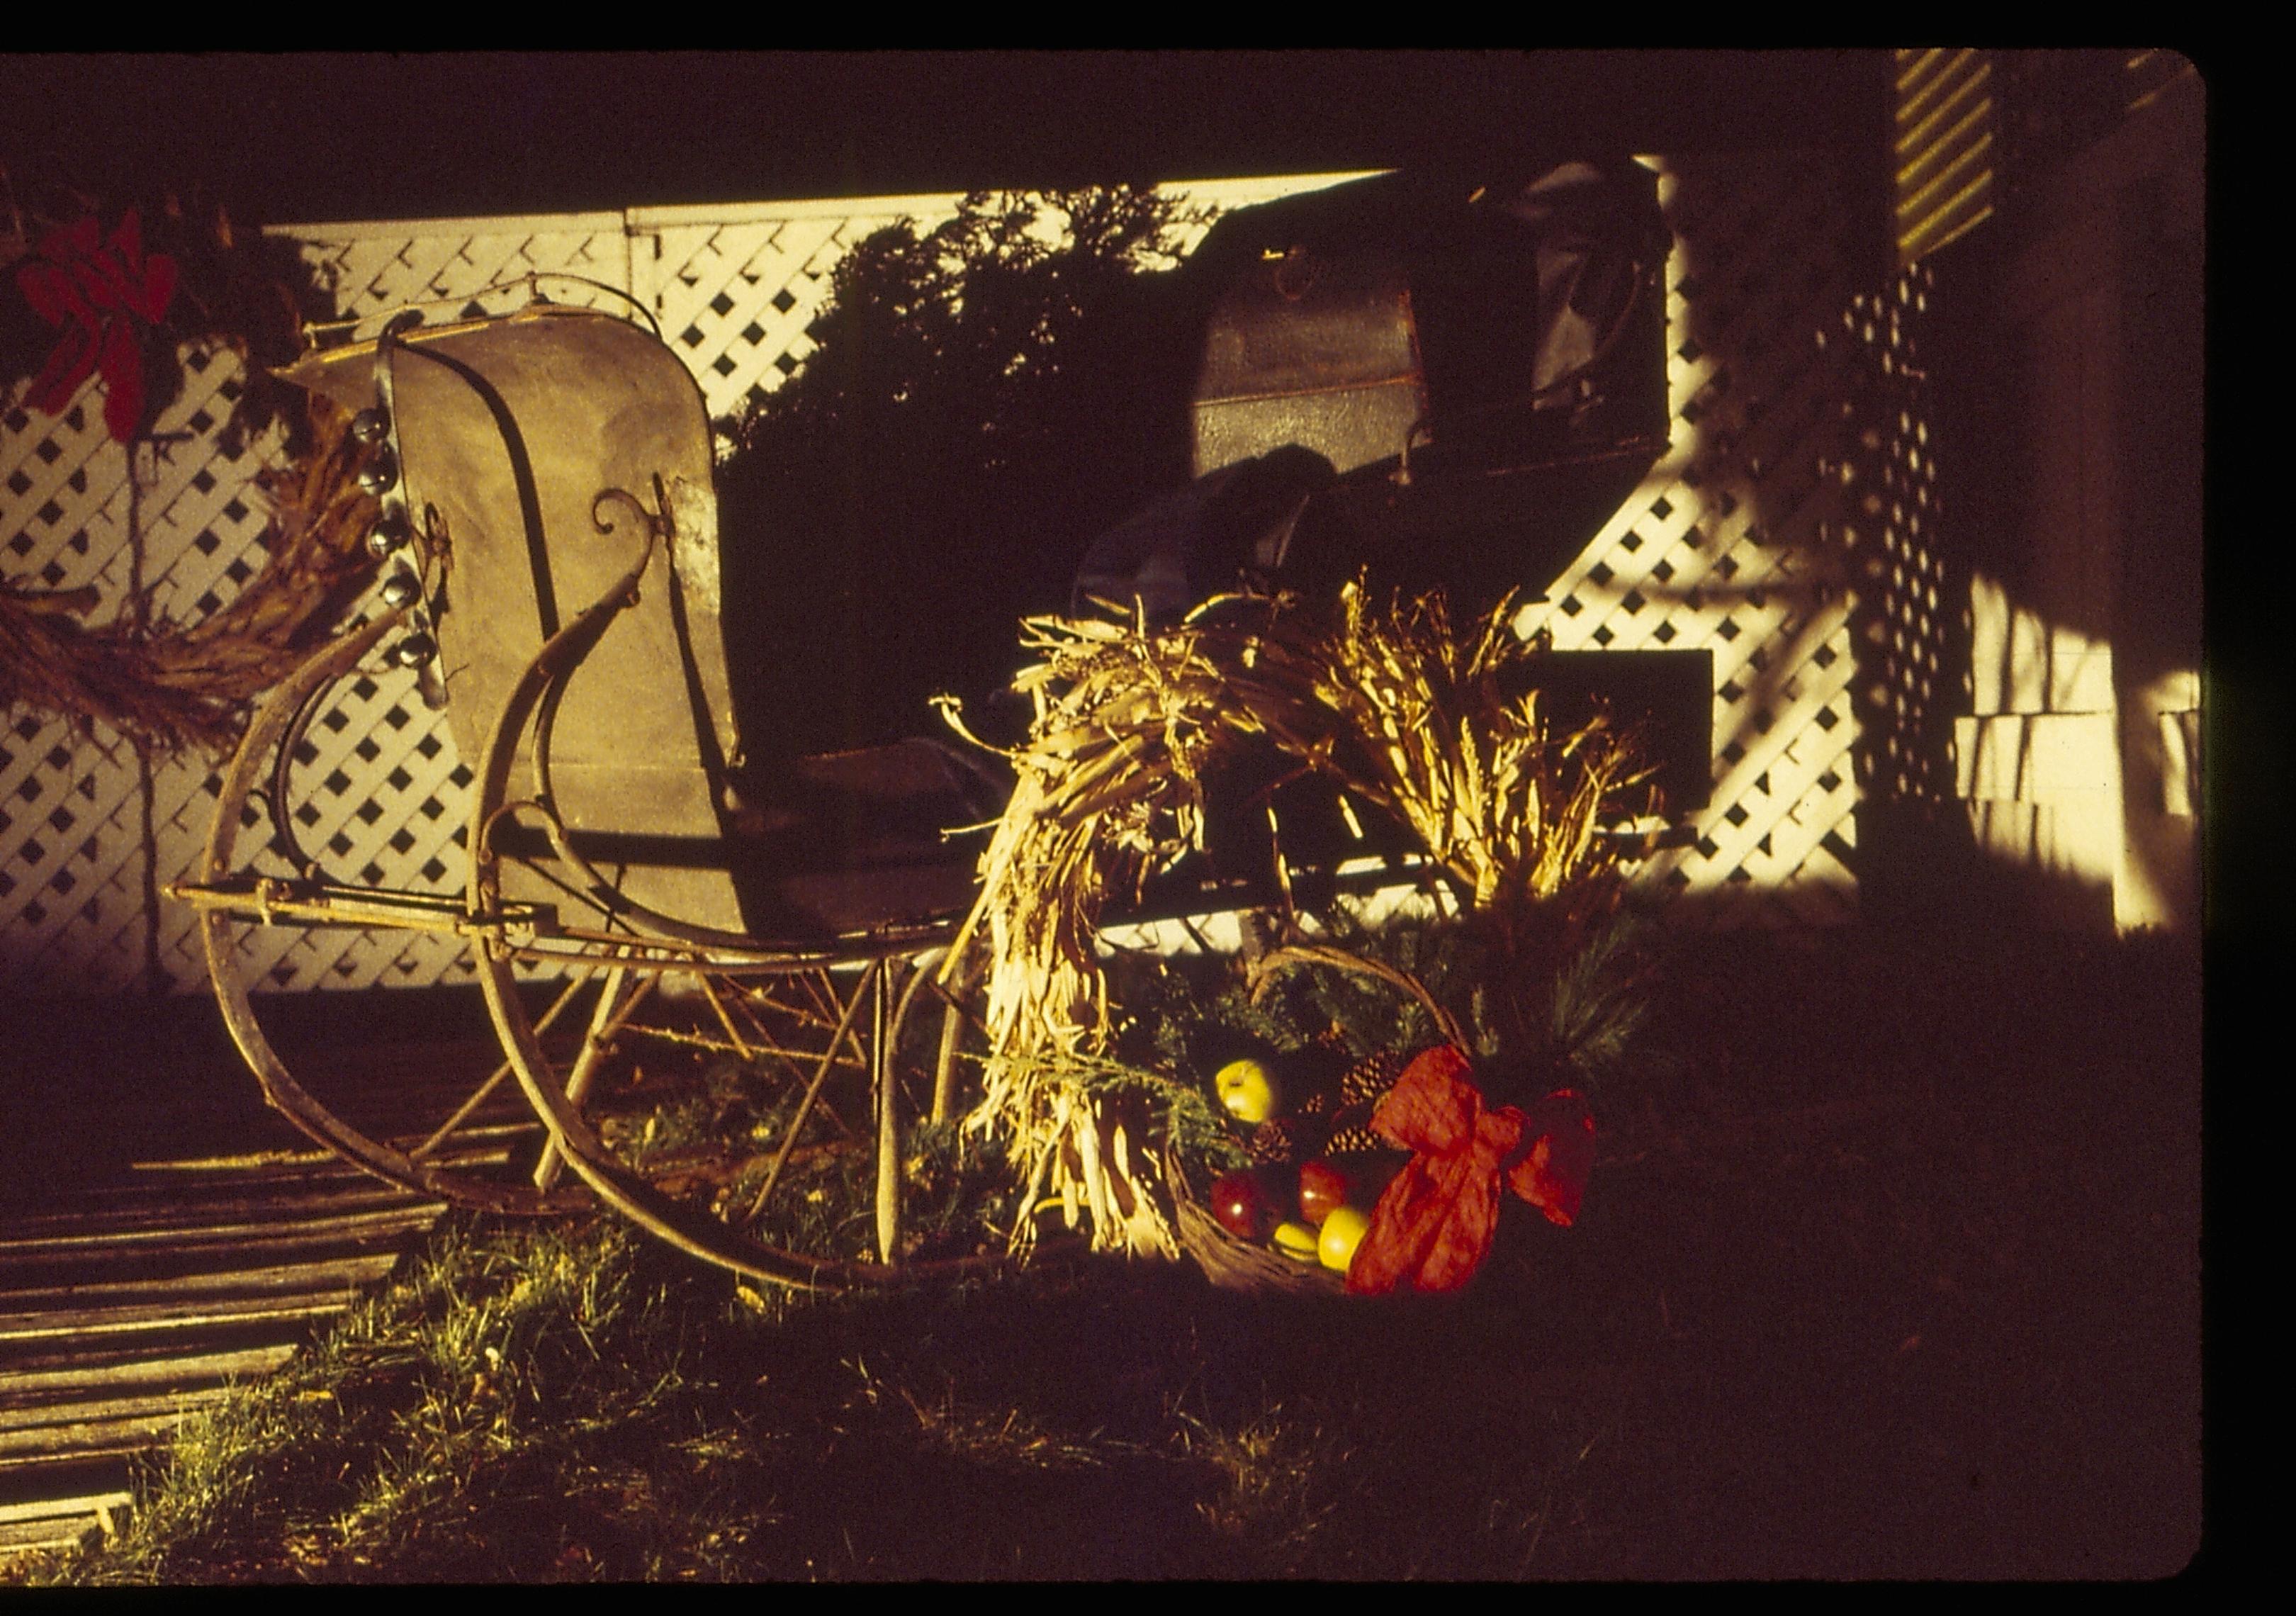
[{"x": 127, "y": 297}]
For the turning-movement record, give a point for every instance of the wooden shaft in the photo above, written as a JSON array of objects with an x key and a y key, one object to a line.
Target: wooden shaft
[
  {"x": 952, "y": 1030},
  {"x": 586, "y": 1069},
  {"x": 882, "y": 1056}
]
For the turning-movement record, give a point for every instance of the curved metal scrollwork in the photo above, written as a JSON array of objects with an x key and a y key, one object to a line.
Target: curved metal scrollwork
[{"x": 657, "y": 521}]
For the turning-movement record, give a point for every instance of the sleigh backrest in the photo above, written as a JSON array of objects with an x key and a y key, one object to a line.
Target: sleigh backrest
[{"x": 525, "y": 438}]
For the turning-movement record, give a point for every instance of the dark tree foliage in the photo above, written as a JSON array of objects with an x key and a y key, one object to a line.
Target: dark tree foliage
[{"x": 981, "y": 404}]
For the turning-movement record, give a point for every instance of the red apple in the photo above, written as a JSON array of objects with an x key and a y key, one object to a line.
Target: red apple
[
  {"x": 1322, "y": 1189},
  {"x": 1326, "y": 1184},
  {"x": 1243, "y": 1206}
]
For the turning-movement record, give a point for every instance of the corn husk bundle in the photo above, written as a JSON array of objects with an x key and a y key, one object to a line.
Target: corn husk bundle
[
  {"x": 1415, "y": 717},
  {"x": 1383, "y": 699},
  {"x": 1109, "y": 791},
  {"x": 171, "y": 687}
]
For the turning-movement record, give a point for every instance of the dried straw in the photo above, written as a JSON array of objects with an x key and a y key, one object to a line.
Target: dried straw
[{"x": 1383, "y": 699}]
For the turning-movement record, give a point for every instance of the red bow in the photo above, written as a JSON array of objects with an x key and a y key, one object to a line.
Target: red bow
[
  {"x": 1432, "y": 1228},
  {"x": 97, "y": 291}
]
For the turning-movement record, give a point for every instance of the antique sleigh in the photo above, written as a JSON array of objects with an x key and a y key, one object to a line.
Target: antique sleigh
[{"x": 1452, "y": 383}]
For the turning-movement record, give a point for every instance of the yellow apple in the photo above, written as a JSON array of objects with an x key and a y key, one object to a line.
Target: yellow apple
[
  {"x": 1343, "y": 1231},
  {"x": 1296, "y": 1241},
  {"x": 1248, "y": 1089}
]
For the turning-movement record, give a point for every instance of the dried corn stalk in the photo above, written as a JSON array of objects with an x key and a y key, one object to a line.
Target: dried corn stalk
[
  {"x": 1421, "y": 723},
  {"x": 1386, "y": 701},
  {"x": 1109, "y": 791}
]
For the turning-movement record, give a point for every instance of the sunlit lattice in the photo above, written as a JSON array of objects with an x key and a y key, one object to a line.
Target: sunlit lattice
[
  {"x": 461, "y": 268},
  {"x": 77, "y": 865},
  {"x": 1727, "y": 544}
]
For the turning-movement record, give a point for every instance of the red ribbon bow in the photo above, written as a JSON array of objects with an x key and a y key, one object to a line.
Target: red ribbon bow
[
  {"x": 1433, "y": 1226},
  {"x": 97, "y": 291}
]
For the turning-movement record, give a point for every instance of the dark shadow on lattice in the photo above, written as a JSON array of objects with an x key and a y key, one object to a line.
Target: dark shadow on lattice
[{"x": 1769, "y": 425}]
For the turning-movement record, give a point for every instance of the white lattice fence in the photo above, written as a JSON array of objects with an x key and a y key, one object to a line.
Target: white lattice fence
[
  {"x": 1727, "y": 544},
  {"x": 734, "y": 291},
  {"x": 380, "y": 266},
  {"x": 1732, "y": 543},
  {"x": 1892, "y": 534},
  {"x": 76, "y": 867}
]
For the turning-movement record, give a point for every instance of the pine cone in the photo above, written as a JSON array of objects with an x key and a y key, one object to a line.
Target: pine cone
[
  {"x": 1282, "y": 1140},
  {"x": 1368, "y": 1080},
  {"x": 1360, "y": 1091}
]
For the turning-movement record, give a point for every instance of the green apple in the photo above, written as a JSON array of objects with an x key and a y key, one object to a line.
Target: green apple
[
  {"x": 1343, "y": 1231},
  {"x": 1248, "y": 1089},
  {"x": 1296, "y": 1241}
]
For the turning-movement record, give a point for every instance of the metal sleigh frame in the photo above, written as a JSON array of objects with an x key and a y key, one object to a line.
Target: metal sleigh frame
[{"x": 857, "y": 986}]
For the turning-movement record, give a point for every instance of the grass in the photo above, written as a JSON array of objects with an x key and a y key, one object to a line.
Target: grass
[
  {"x": 567, "y": 1403},
  {"x": 1955, "y": 1334}
]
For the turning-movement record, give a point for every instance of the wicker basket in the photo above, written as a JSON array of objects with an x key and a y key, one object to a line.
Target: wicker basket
[{"x": 1238, "y": 1265}]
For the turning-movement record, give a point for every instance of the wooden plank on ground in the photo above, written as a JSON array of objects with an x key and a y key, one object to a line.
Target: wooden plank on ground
[
  {"x": 129, "y": 1303},
  {"x": 167, "y": 1318},
  {"x": 219, "y": 1246},
  {"x": 169, "y": 1218},
  {"x": 197, "y": 1290},
  {"x": 29, "y": 1388},
  {"x": 19, "y": 1426}
]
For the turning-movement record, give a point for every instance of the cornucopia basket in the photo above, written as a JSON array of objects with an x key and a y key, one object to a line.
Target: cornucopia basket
[
  {"x": 1240, "y": 1265},
  {"x": 1384, "y": 700}
]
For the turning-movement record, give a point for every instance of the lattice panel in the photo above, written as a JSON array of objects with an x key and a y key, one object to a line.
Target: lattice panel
[
  {"x": 734, "y": 299},
  {"x": 453, "y": 263},
  {"x": 1893, "y": 537},
  {"x": 74, "y": 864},
  {"x": 59, "y": 476},
  {"x": 200, "y": 513},
  {"x": 1741, "y": 540},
  {"x": 1728, "y": 543},
  {"x": 72, "y": 902}
]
